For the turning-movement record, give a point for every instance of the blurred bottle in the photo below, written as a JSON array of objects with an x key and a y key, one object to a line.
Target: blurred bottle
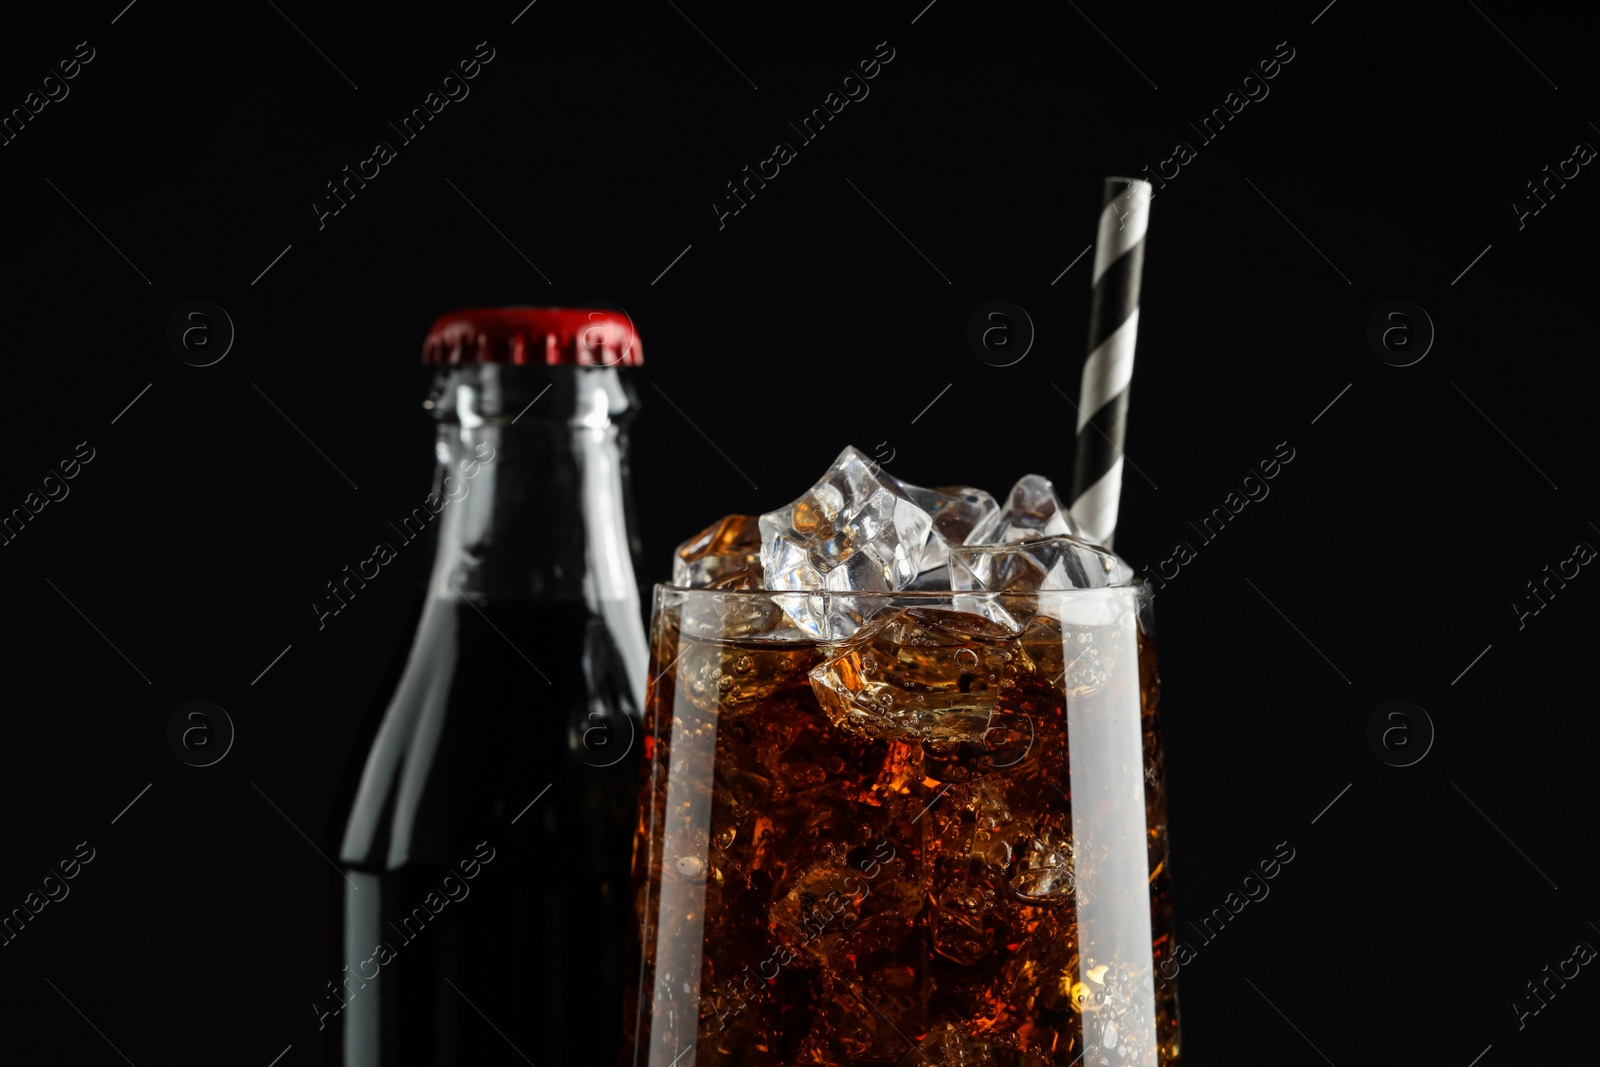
[{"x": 485, "y": 854}]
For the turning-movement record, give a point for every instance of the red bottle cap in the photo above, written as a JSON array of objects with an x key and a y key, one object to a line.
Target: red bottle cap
[{"x": 555, "y": 337}]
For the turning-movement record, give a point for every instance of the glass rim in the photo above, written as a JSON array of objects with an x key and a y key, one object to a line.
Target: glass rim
[{"x": 1138, "y": 584}]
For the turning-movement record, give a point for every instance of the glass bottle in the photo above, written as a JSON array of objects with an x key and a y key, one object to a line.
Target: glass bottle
[{"x": 485, "y": 854}]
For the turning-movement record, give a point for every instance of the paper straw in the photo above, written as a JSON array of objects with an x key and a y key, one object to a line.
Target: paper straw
[{"x": 1113, "y": 325}]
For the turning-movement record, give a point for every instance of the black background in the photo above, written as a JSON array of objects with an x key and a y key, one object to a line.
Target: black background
[{"x": 1390, "y": 547}]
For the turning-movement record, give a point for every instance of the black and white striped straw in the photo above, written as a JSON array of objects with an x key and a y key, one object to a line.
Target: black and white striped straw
[{"x": 1113, "y": 325}]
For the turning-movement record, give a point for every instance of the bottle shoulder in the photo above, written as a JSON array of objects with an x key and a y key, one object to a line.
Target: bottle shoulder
[{"x": 484, "y": 711}]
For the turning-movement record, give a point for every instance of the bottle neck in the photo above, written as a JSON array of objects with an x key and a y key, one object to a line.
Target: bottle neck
[{"x": 531, "y": 490}]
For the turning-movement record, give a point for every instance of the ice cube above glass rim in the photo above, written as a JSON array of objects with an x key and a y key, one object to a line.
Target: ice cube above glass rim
[{"x": 861, "y": 530}]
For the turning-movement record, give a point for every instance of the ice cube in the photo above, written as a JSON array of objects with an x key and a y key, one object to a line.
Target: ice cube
[
  {"x": 961, "y": 515},
  {"x": 957, "y": 924},
  {"x": 1058, "y": 562},
  {"x": 1047, "y": 868},
  {"x": 829, "y": 616},
  {"x": 1008, "y": 743},
  {"x": 922, "y": 673},
  {"x": 1032, "y": 512},
  {"x": 1012, "y": 612},
  {"x": 824, "y": 901},
  {"x": 948, "y": 1046},
  {"x": 727, "y": 681},
  {"x": 835, "y": 909},
  {"x": 725, "y": 555},
  {"x": 855, "y": 530},
  {"x": 722, "y": 615},
  {"x": 967, "y": 831}
]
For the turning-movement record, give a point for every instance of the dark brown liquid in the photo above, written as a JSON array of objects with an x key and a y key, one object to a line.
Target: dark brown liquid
[
  {"x": 807, "y": 893},
  {"x": 523, "y": 956}
]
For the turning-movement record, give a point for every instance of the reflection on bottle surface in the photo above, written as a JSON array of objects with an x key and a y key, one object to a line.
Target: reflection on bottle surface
[{"x": 519, "y": 915}]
